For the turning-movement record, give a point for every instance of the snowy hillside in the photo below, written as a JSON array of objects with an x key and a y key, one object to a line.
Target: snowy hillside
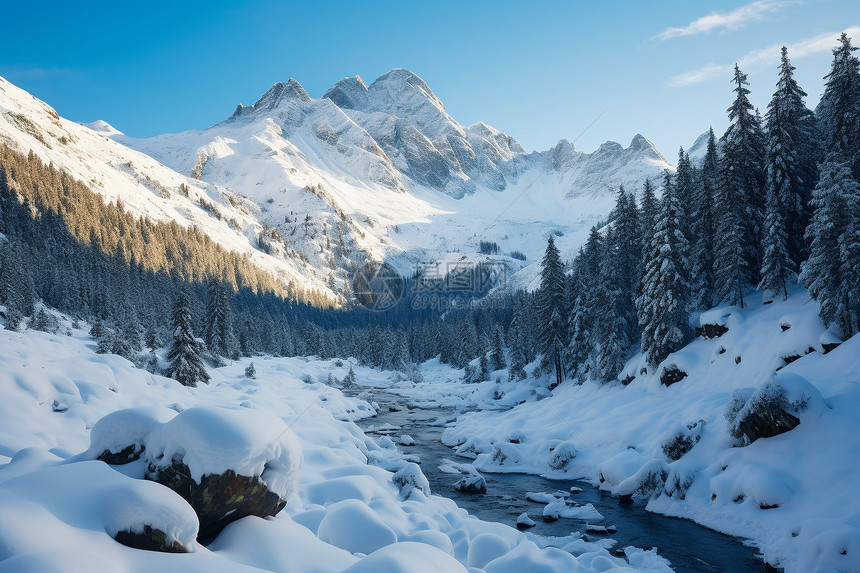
[
  {"x": 674, "y": 448},
  {"x": 384, "y": 171},
  {"x": 145, "y": 186},
  {"x": 347, "y": 512}
]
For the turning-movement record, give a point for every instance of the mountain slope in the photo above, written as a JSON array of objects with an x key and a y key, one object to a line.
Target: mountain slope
[
  {"x": 309, "y": 188},
  {"x": 144, "y": 186},
  {"x": 382, "y": 171}
]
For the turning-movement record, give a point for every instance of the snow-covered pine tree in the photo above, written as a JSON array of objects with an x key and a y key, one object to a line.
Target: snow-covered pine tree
[
  {"x": 789, "y": 161},
  {"x": 579, "y": 347},
  {"x": 516, "y": 344},
  {"x": 702, "y": 228},
  {"x": 550, "y": 307},
  {"x": 663, "y": 305},
  {"x": 776, "y": 270},
  {"x": 250, "y": 371},
  {"x": 743, "y": 176},
  {"x": 217, "y": 327},
  {"x": 627, "y": 252},
  {"x": 831, "y": 271},
  {"x": 838, "y": 113},
  {"x": 185, "y": 367},
  {"x": 648, "y": 212},
  {"x": 616, "y": 323},
  {"x": 497, "y": 353},
  {"x": 849, "y": 253},
  {"x": 684, "y": 184}
]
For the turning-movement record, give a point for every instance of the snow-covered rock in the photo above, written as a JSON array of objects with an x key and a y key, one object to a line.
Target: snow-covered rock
[
  {"x": 559, "y": 508},
  {"x": 214, "y": 440},
  {"x": 227, "y": 464},
  {"x": 410, "y": 478},
  {"x": 55, "y": 503},
  {"x": 524, "y": 521},
  {"x": 119, "y": 437}
]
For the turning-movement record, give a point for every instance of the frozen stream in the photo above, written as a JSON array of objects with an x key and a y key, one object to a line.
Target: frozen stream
[{"x": 688, "y": 546}]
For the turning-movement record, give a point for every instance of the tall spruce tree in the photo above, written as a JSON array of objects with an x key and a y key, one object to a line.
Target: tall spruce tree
[
  {"x": 838, "y": 113},
  {"x": 550, "y": 309},
  {"x": 186, "y": 367},
  {"x": 777, "y": 269},
  {"x": 516, "y": 370},
  {"x": 663, "y": 305},
  {"x": 684, "y": 186},
  {"x": 789, "y": 163},
  {"x": 830, "y": 271},
  {"x": 702, "y": 228},
  {"x": 616, "y": 325},
  {"x": 218, "y": 328},
  {"x": 743, "y": 176}
]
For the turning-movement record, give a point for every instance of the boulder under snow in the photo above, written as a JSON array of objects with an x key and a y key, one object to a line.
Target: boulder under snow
[{"x": 227, "y": 464}]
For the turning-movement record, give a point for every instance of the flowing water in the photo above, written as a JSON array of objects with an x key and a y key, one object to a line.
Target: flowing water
[{"x": 688, "y": 546}]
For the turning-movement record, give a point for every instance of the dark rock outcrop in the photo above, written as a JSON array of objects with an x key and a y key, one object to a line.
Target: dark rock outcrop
[
  {"x": 150, "y": 540},
  {"x": 218, "y": 500},
  {"x": 708, "y": 331},
  {"x": 472, "y": 484},
  {"x": 761, "y": 414},
  {"x": 126, "y": 455},
  {"x": 672, "y": 374},
  {"x": 767, "y": 422}
]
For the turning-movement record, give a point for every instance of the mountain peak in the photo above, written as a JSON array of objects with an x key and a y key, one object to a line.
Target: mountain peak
[
  {"x": 347, "y": 93},
  {"x": 291, "y": 90},
  {"x": 104, "y": 127},
  {"x": 402, "y": 85}
]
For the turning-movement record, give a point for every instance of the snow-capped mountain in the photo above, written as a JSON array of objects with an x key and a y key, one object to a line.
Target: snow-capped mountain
[
  {"x": 379, "y": 171},
  {"x": 384, "y": 171}
]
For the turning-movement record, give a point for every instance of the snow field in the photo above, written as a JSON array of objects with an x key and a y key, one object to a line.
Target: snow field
[{"x": 61, "y": 508}]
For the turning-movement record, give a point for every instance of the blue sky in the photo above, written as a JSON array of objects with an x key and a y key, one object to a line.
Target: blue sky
[{"x": 538, "y": 70}]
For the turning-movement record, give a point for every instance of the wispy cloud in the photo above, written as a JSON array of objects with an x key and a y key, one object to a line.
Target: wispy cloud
[
  {"x": 764, "y": 57},
  {"x": 731, "y": 20}
]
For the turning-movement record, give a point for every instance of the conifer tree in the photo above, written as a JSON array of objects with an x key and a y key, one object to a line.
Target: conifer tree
[
  {"x": 186, "y": 367},
  {"x": 831, "y": 269},
  {"x": 551, "y": 305},
  {"x": 702, "y": 228},
  {"x": 789, "y": 163},
  {"x": 516, "y": 370},
  {"x": 664, "y": 303},
  {"x": 579, "y": 347},
  {"x": 497, "y": 353},
  {"x": 648, "y": 212},
  {"x": 776, "y": 268},
  {"x": 684, "y": 186},
  {"x": 218, "y": 329},
  {"x": 743, "y": 178},
  {"x": 839, "y": 110},
  {"x": 616, "y": 323}
]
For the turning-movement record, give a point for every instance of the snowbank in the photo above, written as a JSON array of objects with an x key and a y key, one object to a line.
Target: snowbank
[
  {"x": 673, "y": 448},
  {"x": 60, "y": 509},
  {"x": 213, "y": 440}
]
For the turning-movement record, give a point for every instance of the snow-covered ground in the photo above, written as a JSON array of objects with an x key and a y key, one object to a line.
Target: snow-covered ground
[
  {"x": 59, "y": 508},
  {"x": 793, "y": 494}
]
